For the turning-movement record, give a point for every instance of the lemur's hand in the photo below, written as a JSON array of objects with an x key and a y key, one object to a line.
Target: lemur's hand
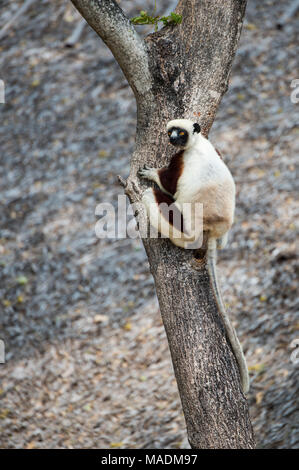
[{"x": 147, "y": 172}]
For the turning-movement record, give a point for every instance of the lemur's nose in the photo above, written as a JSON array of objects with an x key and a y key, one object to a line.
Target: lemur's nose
[{"x": 173, "y": 137}]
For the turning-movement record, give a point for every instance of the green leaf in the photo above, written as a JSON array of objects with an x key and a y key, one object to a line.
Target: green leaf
[
  {"x": 172, "y": 19},
  {"x": 177, "y": 19},
  {"x": 144, "y": 18}
]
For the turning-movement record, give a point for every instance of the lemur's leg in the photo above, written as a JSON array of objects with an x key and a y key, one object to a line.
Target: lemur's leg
[
  {"x": 166, "y": 217},
  {"x": 163, "y": 214}
]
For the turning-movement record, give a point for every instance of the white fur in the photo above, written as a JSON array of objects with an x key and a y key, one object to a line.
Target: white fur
[
  {"x": 202, "y": 165},
  {"x": 205, "y": 179}
]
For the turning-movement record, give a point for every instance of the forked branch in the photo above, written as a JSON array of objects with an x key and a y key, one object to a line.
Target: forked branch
[{"x": 111, "y": 24}]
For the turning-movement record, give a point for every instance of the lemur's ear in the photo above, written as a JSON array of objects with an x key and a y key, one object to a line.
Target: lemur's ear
[{"x": 196, "y": 128}]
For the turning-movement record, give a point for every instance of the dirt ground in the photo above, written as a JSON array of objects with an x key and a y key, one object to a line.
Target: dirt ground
[{"x": 87, "y": 362}]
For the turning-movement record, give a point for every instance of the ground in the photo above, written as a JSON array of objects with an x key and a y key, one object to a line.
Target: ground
[{"x": 87, "y": 361}]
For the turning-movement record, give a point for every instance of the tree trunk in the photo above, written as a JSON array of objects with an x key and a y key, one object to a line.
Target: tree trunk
[{"x": 185, "y": 73}]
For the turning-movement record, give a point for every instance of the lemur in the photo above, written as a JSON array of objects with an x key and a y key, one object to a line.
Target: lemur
[{"x": 195, "y": 173}]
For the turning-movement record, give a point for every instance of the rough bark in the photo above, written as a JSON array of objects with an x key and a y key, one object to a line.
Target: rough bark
[{"x": 186, "y": 70}]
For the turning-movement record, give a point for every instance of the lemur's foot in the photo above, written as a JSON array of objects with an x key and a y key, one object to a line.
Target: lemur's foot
[{"x": 147, "y": 172}]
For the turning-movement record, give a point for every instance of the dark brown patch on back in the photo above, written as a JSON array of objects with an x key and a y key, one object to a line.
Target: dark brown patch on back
[
  {"x": 169, "y": 176},
  {"x": 173, "y": 216}
]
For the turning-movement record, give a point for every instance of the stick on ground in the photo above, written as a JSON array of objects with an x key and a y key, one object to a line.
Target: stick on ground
[
  {"x": 75, "y": 36},
  {"x": 20, "y": 12}
]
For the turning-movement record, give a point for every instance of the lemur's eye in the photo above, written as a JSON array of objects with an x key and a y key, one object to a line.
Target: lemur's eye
[
  {"x": 169, "y": 132},
  {"x": 182, "y": 133}
]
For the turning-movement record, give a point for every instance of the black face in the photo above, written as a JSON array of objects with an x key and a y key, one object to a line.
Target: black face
[{"x": 178, "y": 136}]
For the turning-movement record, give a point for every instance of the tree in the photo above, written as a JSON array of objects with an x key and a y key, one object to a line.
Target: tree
[{"x": 179, "y": 72}]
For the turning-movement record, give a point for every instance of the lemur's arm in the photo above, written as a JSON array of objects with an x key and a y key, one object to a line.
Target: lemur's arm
[
  {"x": 152, "y": 174},
  {"x": 166, "y": 178}
]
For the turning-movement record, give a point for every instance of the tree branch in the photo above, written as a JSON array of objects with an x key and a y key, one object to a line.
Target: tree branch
[{"x": 110, "y": 23}]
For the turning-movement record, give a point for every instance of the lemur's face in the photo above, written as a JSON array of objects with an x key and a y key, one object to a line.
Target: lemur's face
[
  {"x": 182, "y": 132},
  {"x": 178, "y": 136}
]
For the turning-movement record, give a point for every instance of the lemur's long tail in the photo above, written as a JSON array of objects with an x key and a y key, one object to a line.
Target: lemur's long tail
[{"x": 230, "y": 331}]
